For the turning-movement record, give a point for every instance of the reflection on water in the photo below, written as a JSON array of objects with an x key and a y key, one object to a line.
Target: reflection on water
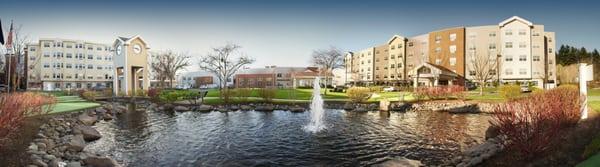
[{"x": 149, "y": 138}]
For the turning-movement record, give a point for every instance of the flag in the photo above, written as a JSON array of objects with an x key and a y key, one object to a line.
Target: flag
[
  {"x": 9, "y": 40},
  {"x": 1, "y": 34}
]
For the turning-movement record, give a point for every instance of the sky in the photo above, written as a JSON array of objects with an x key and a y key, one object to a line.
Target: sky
[{"x": 285, "y": 32}]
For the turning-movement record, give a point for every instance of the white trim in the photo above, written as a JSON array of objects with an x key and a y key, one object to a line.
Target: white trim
[
  {"x": 517, "y": 18},
  {"x": 394, "y": 37}
]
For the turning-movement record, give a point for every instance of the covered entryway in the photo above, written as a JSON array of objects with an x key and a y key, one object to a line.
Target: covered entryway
[{"x": 428, "y": 74}]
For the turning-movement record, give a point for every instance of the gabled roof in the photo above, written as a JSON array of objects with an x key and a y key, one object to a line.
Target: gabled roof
[
  {"x": 436, "y": 69},
  {"x": 126, "y": 40},
  {"x": 394, "y": 37},
  {"x": 515, "y": 18}
]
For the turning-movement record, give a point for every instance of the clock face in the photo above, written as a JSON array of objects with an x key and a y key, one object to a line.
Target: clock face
[
  {"x": 137, "y": 48},
  {"x": 119, "y": 50}
]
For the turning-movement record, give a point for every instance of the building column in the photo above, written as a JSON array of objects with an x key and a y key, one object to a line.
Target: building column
[
  {"x": 146, "y": 80},
  {"x": 126, "y": 79},
  {"x": 134, "y": 81},
  {"x": 115, "y": 82},
  {"x": 415, "y": 83},
  {"x": 435, "y": 81},
  {"x": 451, "y": 82}
]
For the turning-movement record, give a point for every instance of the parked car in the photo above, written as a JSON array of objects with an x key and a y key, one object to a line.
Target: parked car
[
  {"x": 389, "y": 89},
  {"x": 525, "y": 88},
  {"x": 338, "y": 89},
  {"x": 98, "y": 87}
]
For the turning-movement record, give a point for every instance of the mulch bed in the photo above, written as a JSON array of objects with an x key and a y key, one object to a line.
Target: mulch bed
[
  {"x": 566, "y": 152},
  {"x": 13, "y": 149}
]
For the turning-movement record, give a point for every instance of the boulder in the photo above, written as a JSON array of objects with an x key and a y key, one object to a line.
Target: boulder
[
  {"x": 168, "y": 107},
  {"x": 491, "y": 132},
  {"x": 39, "y": 162},
  {"x": 86, "y": 119},
  {"x": 73, "y": 164},
  {"x": 246, "y": 108},
  {"x": 76, "y": 143},
  {"x": 297, "y": 108},
  {"x": 265, "y": 108},
  {"x": 234, "y": 108},
  {"x": 100, "y": 110},
  {"x": 205, "y": 108},
  {"x": 181, "y": 108},
  {"x": 41, "y": 146},
  {"x": 107, "y": 117},
  {"x": 96, "y": 161},
  {"x": 348, "y": 106},
  {"x": 56, "y": 163},
  {"x": 360, "y": 109},
  {"x": 222, "y": 109},
  {"x": 88, "y": 132},
  {"x": 400, "y": 162}
]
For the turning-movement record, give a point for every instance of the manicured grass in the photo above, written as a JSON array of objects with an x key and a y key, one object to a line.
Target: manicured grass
[
  {"x": 71, "y": 103},
  {"x": 299, "y": 94},
  {"x": 591, "y": 162}
]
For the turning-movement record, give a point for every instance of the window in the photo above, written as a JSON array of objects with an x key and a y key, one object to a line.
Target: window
[
  {"x": 46, "y": 44},
  {"x": 522, "y": 45},
  {"x": 399, "y": 46},
  {"x": 90, "y": 48},
  {"x": 69, "y": 65},
  {"x": 536, "y": 58},
  {"x": 32, "y": 58},
  {"x": 410, "y": 44},
  {"x": 438, "y": 50},
  {"x": 536, "y": 33},
  {"x": 452, "y": 61},
  {"x": 393, "y": 57},
  {"x": 508, "y": 58},
  {"x": 536, "y": 46},
  {"x": 392, "y": 66},
  {"x": 508, "y": 45},
  {"x": 90, "y": 57},
  {"x": 549, "y": 39},
  {"x": 453, "y": 37},
  {"x": 471, "y": 72},
  {"x": 438, "y": 61},
  {"x": 99, "y": 67},
  {"x": 523, "y": 58},
  {"x": 508, "y": 71},
  {"x": 472, "y": 47},
  {"x": 98, "y": 57},
  {"x": 69, "y": 46},
  {"x": 492, "y": 72},
  {"x": 46, "y": 65},
  {"x": 522, "y": 71},
  {"x": 508, "y": 32},
  {"x": 399, "y": 65},
  {"x": 549, "y": 50},
  {"x": 99, "y": 48},
  {"x": 492, "y": 46},
  {"x": 492, "y": 34},
  {"x": 90, "y": 66},
  {"x": 46, "y": 54},
  {"x": 471, "y": 35},
  {"x": 452, "y": 49},
  {"x": 32, "y": 49},
  {"x": 393, "y": 47},
  {"x": 438, "y": 39},
  {"x": 550, "y": 62},
  {"x": 522, "y": 32},
  {"x": 69, "y": 55}
]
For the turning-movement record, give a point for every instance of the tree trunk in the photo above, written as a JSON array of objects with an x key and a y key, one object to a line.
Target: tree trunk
[
  {"x": 325, "y": 85},
  {"x": 481, "y": 85}
]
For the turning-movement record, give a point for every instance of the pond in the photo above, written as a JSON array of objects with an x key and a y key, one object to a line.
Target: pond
[{"x": 252, "y": 138}]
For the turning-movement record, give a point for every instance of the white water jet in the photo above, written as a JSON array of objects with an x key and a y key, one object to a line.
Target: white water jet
[{"x": 316, "y": 109}]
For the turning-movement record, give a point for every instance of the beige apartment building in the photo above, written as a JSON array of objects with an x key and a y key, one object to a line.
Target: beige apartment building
[
  {"x": 59, "y": 64},
  {"x": 515, "y": 50}
]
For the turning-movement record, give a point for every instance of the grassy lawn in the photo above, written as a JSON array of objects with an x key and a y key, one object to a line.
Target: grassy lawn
[
  {"x": 299, "y": 94},
  {"x": 71, "y": 103}
]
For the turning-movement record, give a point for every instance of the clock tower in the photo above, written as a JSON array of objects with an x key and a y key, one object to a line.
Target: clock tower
[{"x": 131, "y": 71}]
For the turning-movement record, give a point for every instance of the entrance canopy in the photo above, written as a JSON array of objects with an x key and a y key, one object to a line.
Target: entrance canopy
[{"x": 431, "y": 74}]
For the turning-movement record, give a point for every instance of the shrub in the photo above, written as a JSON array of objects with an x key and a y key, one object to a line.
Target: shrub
[
  {"x": 121, "y": 94},
  {"x": 170, "y": 96},
  {"x": 358, "y": 94},
  {"x": 376, "y": 88},
  {"x": 15, "y": 107},
  {"x": 532, "y": 125},
  {"x": 141, "y": 93},
  {"x": 243, "y": 93},
  {"x": 153, "y": 93},
  {"x": 439, "y": 92},
  {"x": 107, "y": 92},
  {"x": 267, "y": 94},
  {"x": 89, "y": 95},
  {"x": 510, "y": 92}
]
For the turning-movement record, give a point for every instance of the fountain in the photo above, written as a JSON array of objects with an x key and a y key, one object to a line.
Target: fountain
[{"x": 316, "y": 110}]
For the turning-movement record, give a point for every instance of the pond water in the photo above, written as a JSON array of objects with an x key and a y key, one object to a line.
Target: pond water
[{"x": 251, "y": 138}]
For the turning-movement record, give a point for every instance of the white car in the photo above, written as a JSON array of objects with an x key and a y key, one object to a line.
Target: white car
[
  {"x": 389, "y": 89},
  {"x": 525, "y": 88}
]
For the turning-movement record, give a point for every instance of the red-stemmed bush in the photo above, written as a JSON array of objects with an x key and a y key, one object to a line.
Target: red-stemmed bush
[
  {"x": 440, "y": 92},
  {"x": 15, "y": 107},
  {"x": 153, "y": 93},
  {"x": 532, "y": 125}
]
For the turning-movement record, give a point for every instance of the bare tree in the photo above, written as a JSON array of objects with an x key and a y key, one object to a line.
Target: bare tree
[
  {"x": 484, "y": 67},
  {"x": 166, "y": 65},
  {"x": 328, "y": 60},
  {"x": 224, "y": 62}
]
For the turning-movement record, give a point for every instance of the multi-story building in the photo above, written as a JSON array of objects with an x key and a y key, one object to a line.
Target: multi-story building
[
  {"x": 58, "y": 64},
  {"x": 515, "y": 50}
]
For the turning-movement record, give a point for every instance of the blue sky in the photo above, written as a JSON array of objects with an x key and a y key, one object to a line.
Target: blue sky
[{"x": 285, "y": 32}]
